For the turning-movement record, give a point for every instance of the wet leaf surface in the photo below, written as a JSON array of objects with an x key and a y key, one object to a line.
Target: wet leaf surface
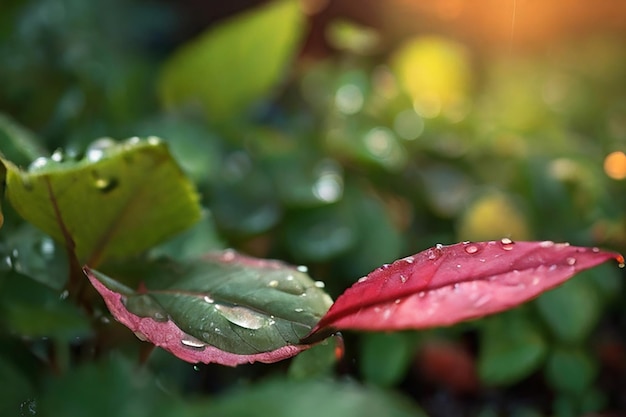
[
  {"x": 119, "y": 200},
  {"x": 444, "y": 285},
  {"x": 225, "y": 308}
]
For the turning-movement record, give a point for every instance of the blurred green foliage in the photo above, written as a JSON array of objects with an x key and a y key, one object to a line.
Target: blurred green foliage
[{"x": 342, "y": 163}]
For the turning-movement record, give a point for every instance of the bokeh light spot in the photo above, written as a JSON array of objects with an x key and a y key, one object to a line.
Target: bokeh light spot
[{"x": 615, "y": 165}]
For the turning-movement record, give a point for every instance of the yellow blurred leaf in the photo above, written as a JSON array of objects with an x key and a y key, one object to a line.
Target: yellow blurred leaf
[
  {"x": 493, "y": 216},
  {"x": 434, "y": 71}
]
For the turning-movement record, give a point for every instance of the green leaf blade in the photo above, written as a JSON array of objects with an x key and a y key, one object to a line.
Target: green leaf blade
[
  {"x": 225, "y": 308},
  {"x": 236, "y": 62}
]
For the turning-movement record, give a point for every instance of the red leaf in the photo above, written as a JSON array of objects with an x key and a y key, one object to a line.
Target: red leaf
[
  {"x": 448, "y": 284},
  {"x": 167, "y": 335}
]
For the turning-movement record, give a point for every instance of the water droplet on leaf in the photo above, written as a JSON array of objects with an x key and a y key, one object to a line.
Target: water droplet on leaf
[
  {"x": 303, "y": 269},
  {"x": 506, "y": 243},
  {"x": 208, "y": 299},
  {"x": 141, "y": 336},
  {"x": 471, "y": 249},
  {"x": 242, "y": 316},
  {"x": 192, "y": 342},
  {"x": 46, "y": 248},
  {"x": 273, "y": 283},
  {"x": 320, "y": 284},
  {"x": 98, "y": 149},
  {"x": 153, "y": 140},
  {"x": 57, "y": 156},
  {"x": 38, "y": 164},
  {"x": 104, "y": 185}
]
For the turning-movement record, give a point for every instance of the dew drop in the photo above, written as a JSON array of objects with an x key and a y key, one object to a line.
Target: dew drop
[
  {"x": 38, "y": 164},
  {"x": 303, "y": 269},
  {"x": 208, "y": 299},
  {"x": 595, "y": 250},
  {"x": 536, "y": 281},
  {"x": 552, "y": 267},
  {"x": 64, "y": 294},
  {"x": 46, "y": 248},
  {"x": 192, "y": 342},
  {"x": 133, "y": 141},
  {"x": 196, "y": 368},
  {"x": 28, "y": 407},
  {"x": 456, "y": 286},
  {"x": 57, "y": 156},
  {"x": 471, "y": 249},
  {"x": 153, "y": 140},
  {"x": 158, "y": 316},
  {"x": 507, "y": 244},
  {"x": 228, "y": 255},
  {"x": 397, "y": 301},
  {"x": 141, "y": 336},
  {"x": 403, "y": 278},
  {"x": 363, "y": 279},
  {"x": 98, "y": 149},
  {"x": 421, "y": 294},
  {"x": 273, "y": 283},
  {"x": 320, "y": 284},
  {"x": 105, "y": 184},
  {"x": 546, "y": 244},
  {"x": 571, "y": 261},
  {"x": 242, "y": 316},
  {"x": 298, "y": 310},
  {"x": 289, "y": 278},
  {"x": 105, "y": 320},
  {"x": 409, "y": 259},
  {"x": 435, "y": 252}
]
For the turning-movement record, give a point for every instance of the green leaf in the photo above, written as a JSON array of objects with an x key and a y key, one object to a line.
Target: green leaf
[
  {"x": 193, "y": 242},
  {"x": 119, "y": 200},
  {"x": 18, "y": 144},
  {"x": 317, "y": 361},
  {"x": 236, "y": 62},
  {"x": 16, "y": 395},
  {"x": 379, "y": 239},
  {"x": 570, "y": 370},
  {"x": 238, "y": 305},
  {"x": 320, "y": 233},
  {"x": 123, "y": 390},
  {"x": 511, "y": 348},
  {"x": 31, "y": 309},
  {"x": 312, "y": 398},
  {"x": 572, "y": 310},
  {"x": 385, "y": 357}
]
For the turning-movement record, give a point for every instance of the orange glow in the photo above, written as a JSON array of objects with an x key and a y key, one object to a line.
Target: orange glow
[
  {"x": 509, "y": 23},
  {"x": 615, "y": 165}
]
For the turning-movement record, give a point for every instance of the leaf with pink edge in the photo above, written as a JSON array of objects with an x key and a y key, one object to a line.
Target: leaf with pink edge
[{"x": 228, "y": 308}]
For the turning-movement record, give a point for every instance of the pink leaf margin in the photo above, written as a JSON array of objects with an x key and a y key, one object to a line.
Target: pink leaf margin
[{"x": 169, "y": 336}]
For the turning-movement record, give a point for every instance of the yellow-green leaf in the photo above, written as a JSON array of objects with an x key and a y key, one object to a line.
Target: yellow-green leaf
[
  {"x": 234, "y": 63},
  {"x": 119, "y": 200}
]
